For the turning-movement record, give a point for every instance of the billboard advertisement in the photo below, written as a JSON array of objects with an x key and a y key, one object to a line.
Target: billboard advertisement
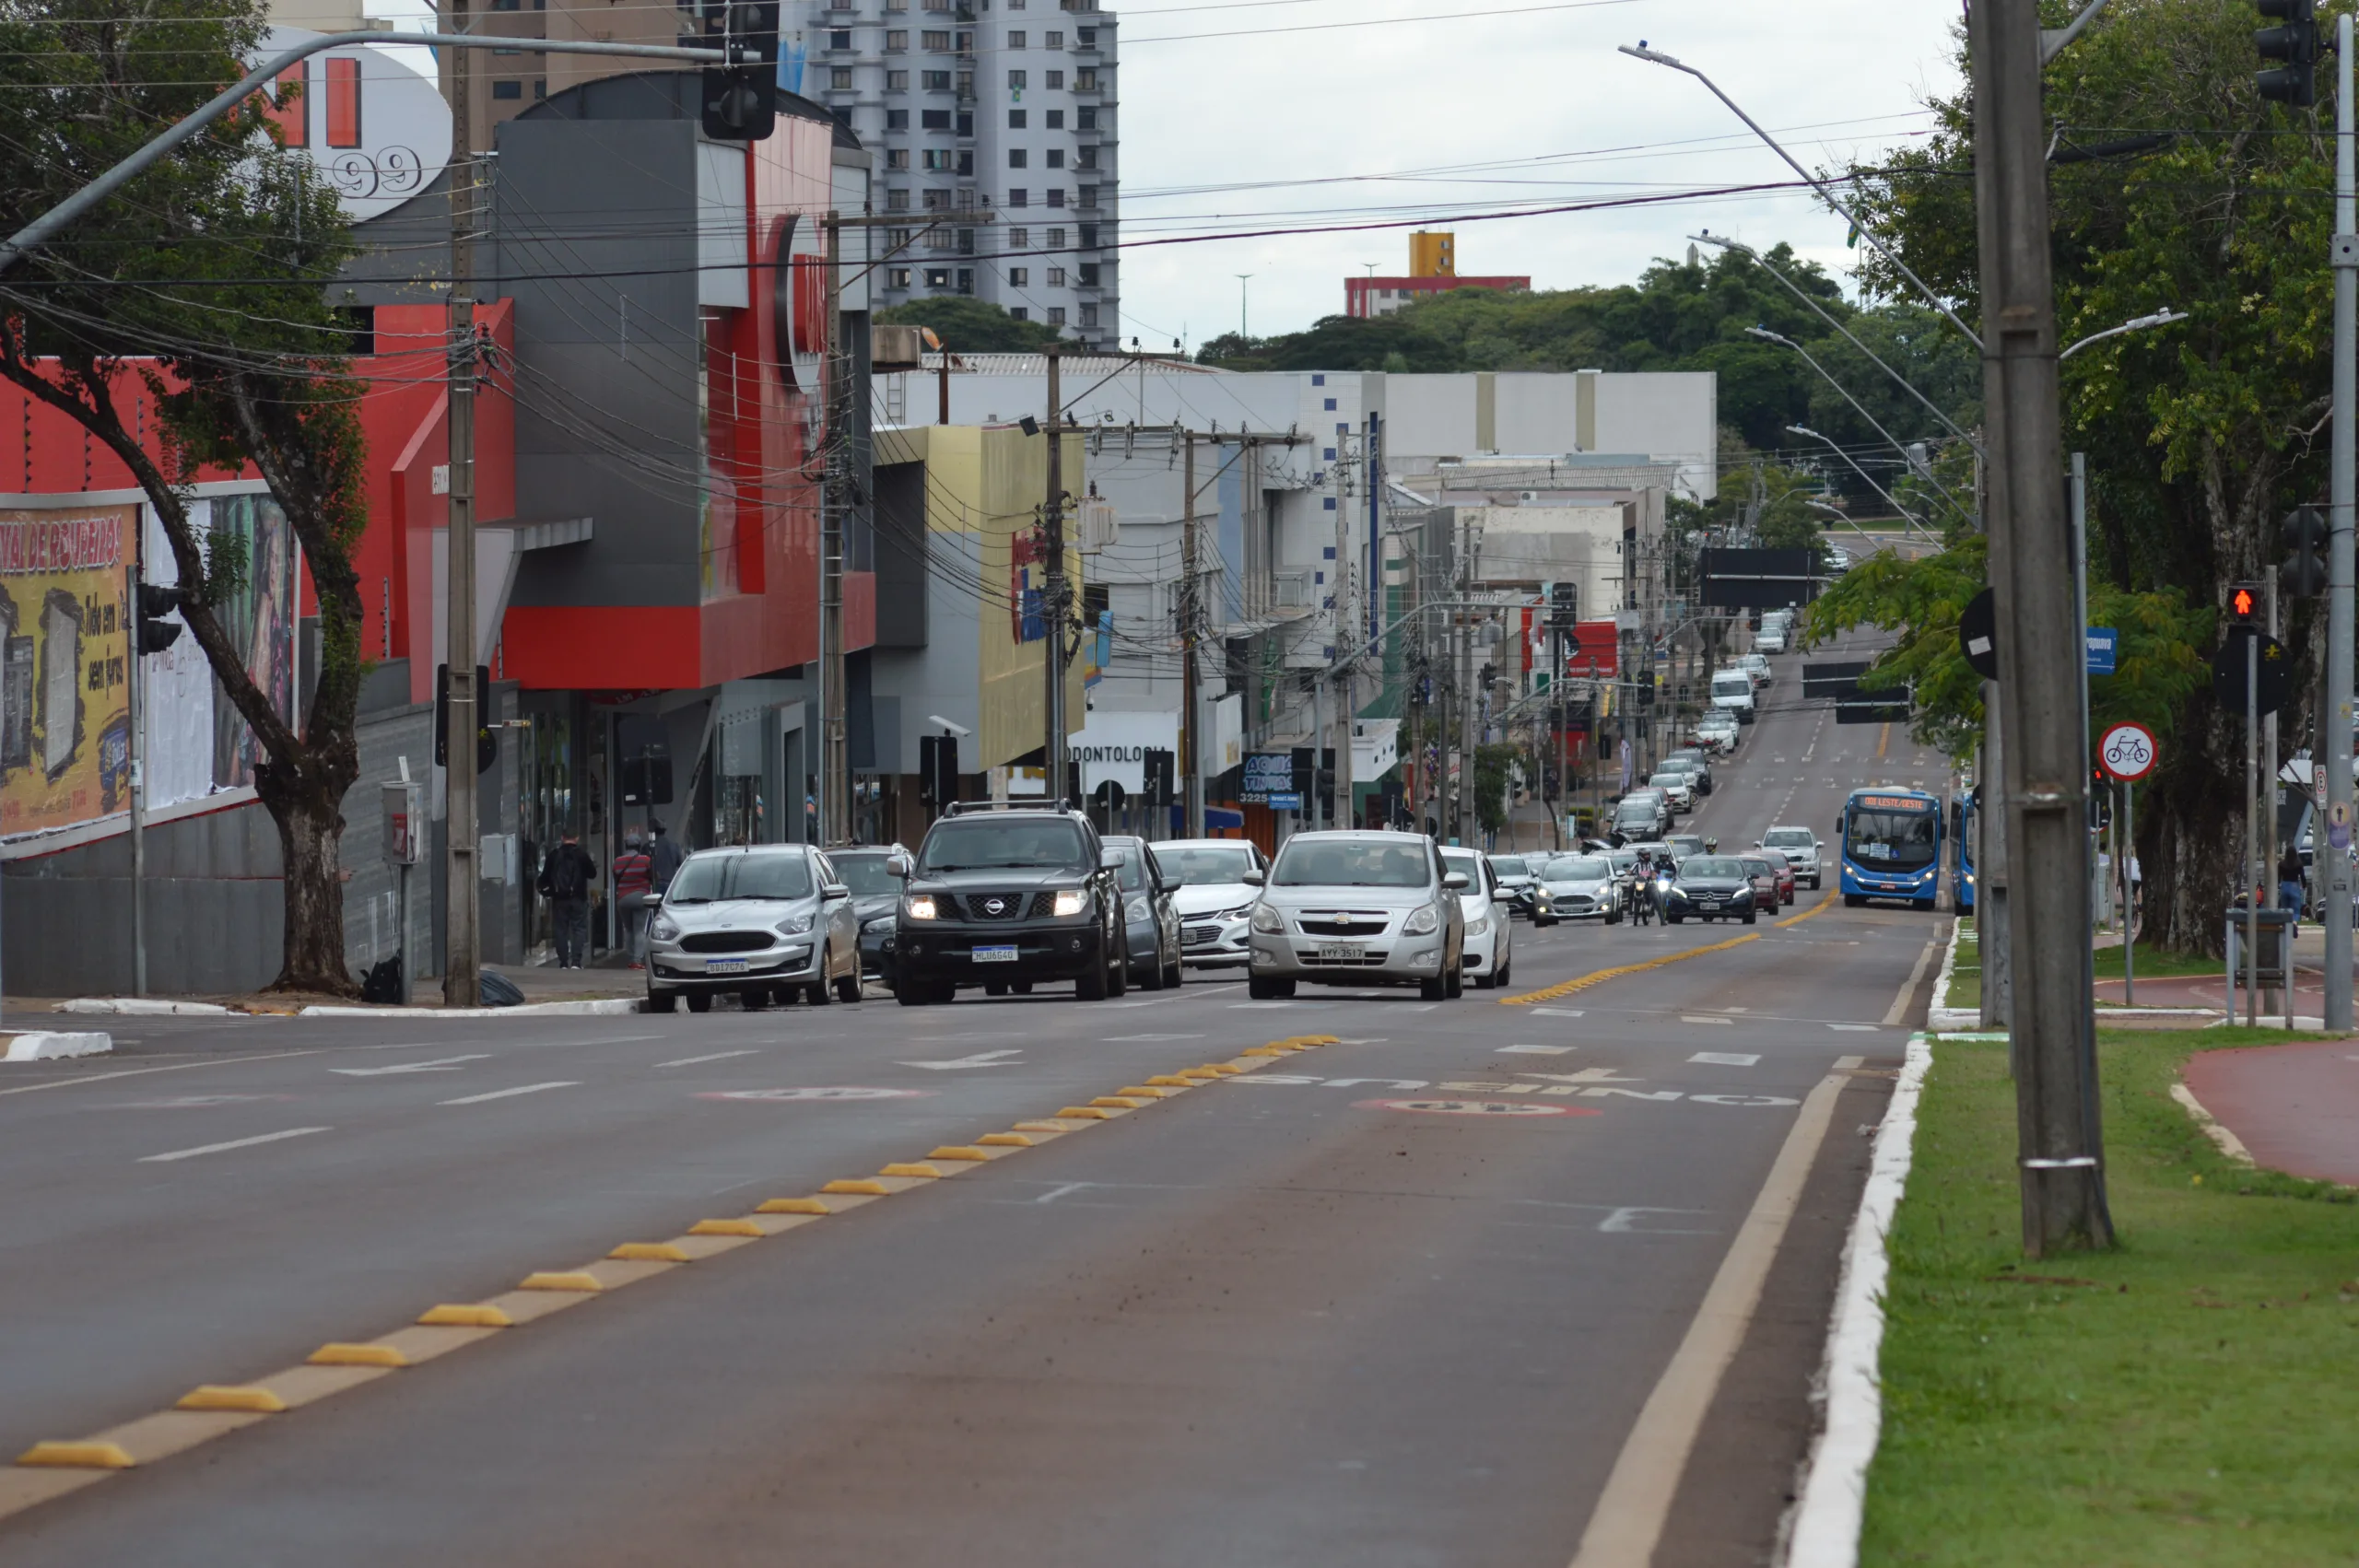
[{"x": 64, "y": 697}]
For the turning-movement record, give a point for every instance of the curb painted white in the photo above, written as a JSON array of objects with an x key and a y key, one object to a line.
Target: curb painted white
[
  {"x": 142, "y": 1005},
  {"x": 47, "y": 1046},
  {"x": 1834, "y": 1493},
  {"x": 1941, "y": 1016},
  {"x": 2229, "y": 1143},
  {"x": 594, "y": 1006}
]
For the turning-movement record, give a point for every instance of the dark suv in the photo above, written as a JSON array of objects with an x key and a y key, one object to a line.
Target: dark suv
[{"x": 1003, "y": 896}]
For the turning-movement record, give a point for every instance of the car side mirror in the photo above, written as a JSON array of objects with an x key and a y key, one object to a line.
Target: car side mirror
[
  {"x": 1109, "y": 860},
  {"x": 1501, "y": 896},
  {"x": 832, "y": 890},
  {"x": 1455, "y": 881},
  {"x": 897, "y": 866},
  {"x": 1251, "y": 879}
]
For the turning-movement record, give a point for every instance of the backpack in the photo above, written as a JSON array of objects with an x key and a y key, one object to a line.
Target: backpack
[{"x": 563, "y": 877}]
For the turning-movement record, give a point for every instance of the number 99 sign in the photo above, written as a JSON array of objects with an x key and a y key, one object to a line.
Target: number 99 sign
[{"x": 2128, "y": 752}]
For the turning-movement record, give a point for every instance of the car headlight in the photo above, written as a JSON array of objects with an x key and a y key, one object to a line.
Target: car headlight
[
  {"x": 1478, "y": 926},
  {"x": 1268, "y": 921},
  {"x": 1421, "y": 922},
  {"x": 1070, "y": 901},
  {"x": 663, "y": 928},
  {"x": 1240, "y": 912},
  {"x": 879, "y": 923},
  {"x": 1137, "y": 909},
  {"x": 794, "y": 925},
  {"x": 920, "y": 907}
]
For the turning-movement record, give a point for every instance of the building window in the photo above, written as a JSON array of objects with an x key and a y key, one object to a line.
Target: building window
[
  {"x": 1084, "y": 158},
  {"x": 504, "y": 5},
  {"x": 1016, "y": 81},
  {"x": 1016, "y": 119},
  {"x": 1330, "y": 405},
  {"x": 937, "y": 278},
  {"x": 1090, "y": 196},
  {"x": 1015, "y": 157},
  {"x": 1086, "y": 80},
  {"x": 1018, "y": 313},
  {"x": 1017, "y": 196},
  {"x": 507, "y": 90},
  {"x": 1056, "y": 119},
  {"x": 1087, "y": 274},
  {"x": 1056, "y": 158},
  {"x": 935, "y": 81},
  {"x": 839, "y": 77},
  {"x": 896, "y": 40},
  {"x": 1089, "y": 237},
  {"x": 1019, "y": 277},
  {"x": 898, "y": 238},
  {"x": 1055, "y": 40},
  {"x": 1056, "y": 240},
  {"x": 1089, "y": 315},
  {"x": 897, "y": 277},
  {"x": 967, "y": 166},
  {"x": 896, "y": 118},
  {"x": 1054, "y": 196},
  {"x": 1056, "y": 80},
  {"x": 935, "y": 39},
  {"x": 1056, "y": 315},
  {"x": 540, "y": 88},
  {"x": 1086, "y": 37},
  {"x": 897, "y": 81},
  {"x": 939, "y": 238},
  {"x": 941, "y": 159},
  {"x": 965, "y": 280},
  {"x": 937, "y": 200},
  {"x": 1084, "y": 119},
  {"x": 934, "y": 119},
  {"x": 897, "y": 158},
  {"x": 839, "y": 39},
  {"x": 1015, "y": 41},
  {"x": 897, "y": 201},
  {"x": 966, "y": 117},
  {"x": 1019, "y": 238},
  {"x": 1056, "y": 278}
]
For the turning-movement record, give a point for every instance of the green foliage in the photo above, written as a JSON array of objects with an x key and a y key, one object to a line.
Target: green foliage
[
  {"x": 970, "y": 326},
  {"x": 1495, "y": 763}
]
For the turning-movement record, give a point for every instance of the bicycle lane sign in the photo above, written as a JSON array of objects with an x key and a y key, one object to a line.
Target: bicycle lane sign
[{"x": 2128, "y": 752}]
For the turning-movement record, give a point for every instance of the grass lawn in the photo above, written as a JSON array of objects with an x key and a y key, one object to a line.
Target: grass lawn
[
  {"x": 1966, "y": 976},
  {"x": 2155, "y": 963},
  {"x": 2188, "y": 1399}
]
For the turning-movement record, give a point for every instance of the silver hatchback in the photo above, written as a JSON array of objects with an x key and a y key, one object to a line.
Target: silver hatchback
[
  {"x": 763, "y": 922},
  {"x": 1351, "y": 908}
]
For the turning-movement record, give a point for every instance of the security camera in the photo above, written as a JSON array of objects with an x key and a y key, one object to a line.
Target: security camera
[{"x": 959, "y": 730}]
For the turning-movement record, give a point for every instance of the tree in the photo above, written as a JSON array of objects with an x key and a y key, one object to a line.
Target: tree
[
  {"x": 202, "y": 282},
  {"x": 2198, "y": 436},
  {"x": 967, "y": 325}
]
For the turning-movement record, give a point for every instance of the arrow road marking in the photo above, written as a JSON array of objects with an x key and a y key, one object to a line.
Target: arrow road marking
[
  {"x": 440, "y": 1064},
  {"x": 1725, "y": 1059},
  {"x": 980, "y": 1059}
]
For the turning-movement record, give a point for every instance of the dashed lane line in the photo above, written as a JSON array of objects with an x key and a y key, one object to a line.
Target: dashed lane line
[
  {"x": 233, "y": 1143},
  {"x": 717, "y": 1056},
  {"x": 176, "y": 1066},
  {"x": 510, "y": 1094}
]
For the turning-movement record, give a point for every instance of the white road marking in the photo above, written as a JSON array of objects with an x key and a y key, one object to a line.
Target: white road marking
[
  {"x": 233, "y": 1143},
  {"x": 440, "y": 1064},
  {"x": 1559, "y": 1011},
  {"x": 1256, "y": 1006},
  {"x": 1422, "y": 1007},
  {"x": 1535, "y": 1050},
  {"x": 176, "y": 1066},
  {"x": 1056, "y": 1192},
  {"x": 1705, "y": 1018},
  {"x": 1855, "y": 1028},
  {"x": 717, "y": 1056},
  {"x": 1725, "y": 1059},
  {"x": 980, "y": 1059},
  {"x": 505, "y": 1094},
  {"x": 1136, "y": 1039},
  {"x": 1900, "y": 1004},
  {"x": 1586, "y": 1075}
]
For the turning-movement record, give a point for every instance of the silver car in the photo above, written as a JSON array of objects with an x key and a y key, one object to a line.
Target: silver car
[
  {"x": 1580, "y": 887},
  {"x": 1802, "y": 847},
  {"x": 765, "y": 922},
  {"x": 1352, "y": 909}
]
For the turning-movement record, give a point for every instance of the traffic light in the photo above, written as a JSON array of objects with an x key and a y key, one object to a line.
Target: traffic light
[
  {"x": 155, "y": 633},
  {"x": 2244, "y": 606},
  {"x": 937, "y": 771},
  {"x": 1160, "y": 775},
  {"x": 2304, "y": 573},
  {"x": 1563, "y": 606},
  {"x": 741, "y": 98},
  {"x": 486, "y": 741},
  {"x": 2296, "y": 42}
]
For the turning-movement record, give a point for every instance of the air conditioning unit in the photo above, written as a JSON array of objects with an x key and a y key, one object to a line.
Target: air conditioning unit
[
  {"x": 896, "y": 348},
  {"x": 1100, "y": 525}
]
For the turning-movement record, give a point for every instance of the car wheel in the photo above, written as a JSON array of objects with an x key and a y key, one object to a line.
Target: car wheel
[
  {"x": 1091, "y": 986},
  {"x": 1500, "y": 980},
  {"x": 912, "y": 993},
  {"x": 753, "y": 999},
  {"x": 1815, "y": 883},
  {"x": 659, "y": 1001},
  {"x": 1852, "y": 901},
  {"x": 1435, "y": 989},
  {"x": 699, "y": 1001},
  {"x": 1117, "y": 981},
  {"x": 1920, "y": 903},
  {"x": 1171, "y": 976},
  {"x": 1020, "y": 988},
  {"x": 1458, "y": 980},
  {"x": 1752, "y": 917},
  {"x": 1613, "y": 916},
  {"x": 1268, "y": 991},
  {"x": 1672, "y": 920},
  {"x": 848, "y": 986},
  {"x": 994, "y": 987},
  {"x": 1150, "y": 978}
]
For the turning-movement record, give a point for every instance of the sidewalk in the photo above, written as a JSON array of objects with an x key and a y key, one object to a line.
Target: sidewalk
[{"x": 2295, "y": 1106}]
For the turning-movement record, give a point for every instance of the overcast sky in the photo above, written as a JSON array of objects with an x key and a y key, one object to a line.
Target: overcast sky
[{"x": 1833, "y": 78}]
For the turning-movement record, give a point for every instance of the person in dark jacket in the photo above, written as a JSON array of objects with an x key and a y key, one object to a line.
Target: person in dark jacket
[
  {"x": 663, "y": 855},
  {"x": 567, "y": 877}
]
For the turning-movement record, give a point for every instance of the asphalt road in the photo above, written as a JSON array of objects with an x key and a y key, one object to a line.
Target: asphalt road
[{"x": 1400, "y": 1299}]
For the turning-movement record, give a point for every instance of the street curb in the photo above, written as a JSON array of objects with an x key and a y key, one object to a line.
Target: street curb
[
  {"x": 1941, "y": 1015},
  {"x": 48, "y": 1045},
  {"x": 602, "y": 1007},
  {"x": 1833, "y": 1498},
  {"x": 139, "y": 1005}
]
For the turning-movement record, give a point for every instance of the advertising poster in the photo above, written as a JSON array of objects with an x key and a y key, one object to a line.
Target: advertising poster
[
  {"x": 261, "y": 620},
  {"x": 64, "y": 707}
]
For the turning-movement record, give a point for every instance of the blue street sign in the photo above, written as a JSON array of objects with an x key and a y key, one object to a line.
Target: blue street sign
[
  {"x": 2103, "y": 641},
  {"x": 1284, "y": 801}
]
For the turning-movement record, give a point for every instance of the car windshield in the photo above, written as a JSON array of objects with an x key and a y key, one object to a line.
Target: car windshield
[
  {"x": 1510, "y": 865},
  {"x": 1668, "y": 780},
  {"x": 707, "y": 878},
  {"x": 1706, "y": 867},
  {"x": 866, "y": 874},
  {"x": 1131, "y": 876},
  {"x": 1899, "y": 840},
  {"x": 1789, "y": 838},
  {"x": 1679, "y": 765},
  {"x": 1733, "y": 682},
  {"x": 1757, "y": 868},
  {"x": 1624, "y": 858},
  {"x": 1686, "y": 844},
  {"x": 1010, "y": 843},
  {"x": 1202, "y": 865},
  {"x": 1580, "y": 868},
  {"x": 1467, "y": 863},
  {"x": 1352, "y": 863}
]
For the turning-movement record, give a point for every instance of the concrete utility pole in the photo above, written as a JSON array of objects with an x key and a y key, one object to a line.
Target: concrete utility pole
[
  {"x": 835, "y": 751},
  {"x": 2041, "y": 653},
  {"x": 1191, "y": 741},
  {"x": 461, "y": 936},
  {"x": 1053, "y": 589},
  {"x": 2334, "y": 721},
  {"x": 1345, "y": 620}
]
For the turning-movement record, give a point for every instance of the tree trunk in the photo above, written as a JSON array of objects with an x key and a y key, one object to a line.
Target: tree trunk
[{"x": 307, "y": 810}]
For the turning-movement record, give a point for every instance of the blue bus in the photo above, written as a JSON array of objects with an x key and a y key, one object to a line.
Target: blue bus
[
  {"x": 1961, "y": 811},
  {"x": 1891, "y": 842}
]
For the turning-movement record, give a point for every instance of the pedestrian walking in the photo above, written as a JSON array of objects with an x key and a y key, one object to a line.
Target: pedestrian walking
[
  {"x": 566, "y": 879},
  {"x": 2288, "y": 886},
  {"x": 634, "y": 894},
  {"x": 662, "y": 855}
]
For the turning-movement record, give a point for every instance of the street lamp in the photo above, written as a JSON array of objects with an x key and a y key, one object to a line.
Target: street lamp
[
  {"x": 1764, "y": 333},
  {"x": 1657, "y": 57},
  {"x": 1904, "y": 517},
  {"x": 2136, "y": 324},
  {"x": 1244, "y": 329}
]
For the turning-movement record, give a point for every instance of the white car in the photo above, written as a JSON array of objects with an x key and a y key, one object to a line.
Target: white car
[
  {"x": 1800, "y": 846},
  {"x": 1718, "y": 731},
  {"x": 1679, "y": 788},
  {"x": 1757, "y": 665},
  {"x": 1213, "y": 899},
  {"x": 1490, "y": 934}
]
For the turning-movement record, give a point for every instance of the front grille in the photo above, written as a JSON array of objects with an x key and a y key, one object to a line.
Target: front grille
[
  {"x": 1196, "y": 935},
  {"x": 728, "y": 942},
  {"x": 1578, "y": 903},
  {"x": 1010, "y": 905},
  {"x": 1362, "y": 923},
  {"x": 1366, "y": 961},
  {"x": 1043, "y": 905}
]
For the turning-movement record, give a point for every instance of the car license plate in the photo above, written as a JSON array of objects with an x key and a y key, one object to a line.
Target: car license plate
[
  {"x": 724, "y": 966},
  {"x": 1341, "y": 951},
  {"x": 995, "y": 955},
  {"x": 1707, "y": 904}
]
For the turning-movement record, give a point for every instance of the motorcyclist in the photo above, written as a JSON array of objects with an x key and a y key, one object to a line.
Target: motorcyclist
[
  {"x": 1711, "y": 846},
  {"x": 1642, "y": 890}
]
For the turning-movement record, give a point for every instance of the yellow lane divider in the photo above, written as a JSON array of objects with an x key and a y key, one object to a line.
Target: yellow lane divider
[
  {"x": 1825, "y": 901},
  {"x": 52, "y": 1468},
  {"x": 1566, "y": 988}
]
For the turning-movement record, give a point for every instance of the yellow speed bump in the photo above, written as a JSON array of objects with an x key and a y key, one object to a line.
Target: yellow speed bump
[
  {"x": 1200, "y": 1075},
  {"x": 1222, "y": 1070},
  {"x": 77, "y": 1456},
  {"x": 647, "y": 1252},
  {"x": 1117, "y": 1102},
  {"x": 1171, "y": 1081},
  {"x": 221, "y": 1397},
  {"x": 726, "y": 1228},
  {"x": 1317, "y": 1040},
  {"x": 918, "y": 1169},
  {"x": 1137, "y": 1092},
  {"x": 1081, "y": 1113},
  {"x": 1042, "y": 1126},
  {"x": 793, "y": 1206},
  {"x": 1000, "y": 1141},
  {"x": 1270, "y": 1049},
  {"x": 958, "y": 1152},
  {"x": 466, "y": 1315},
  {"x": 561, "y": 1280},
  {"x": 335, "y": 1353},
  {"x": 858, "y": 1186}
]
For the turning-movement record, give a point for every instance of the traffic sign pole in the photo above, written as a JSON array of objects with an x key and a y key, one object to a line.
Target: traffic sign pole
[
  {"x": 2252, "y": 829},
  {"x": 2129, "y": 753},
  {"x": 2335, "y": 722}
]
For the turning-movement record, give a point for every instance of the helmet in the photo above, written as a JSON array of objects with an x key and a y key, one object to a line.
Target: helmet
[{"x": 1711, "y": 846}]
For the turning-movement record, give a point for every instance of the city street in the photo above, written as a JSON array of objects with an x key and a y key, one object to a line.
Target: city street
[{"x": 1399, "y": 1298}]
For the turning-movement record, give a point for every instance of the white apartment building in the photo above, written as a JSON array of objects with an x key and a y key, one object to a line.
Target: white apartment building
[{"x": 995, "y": 126}]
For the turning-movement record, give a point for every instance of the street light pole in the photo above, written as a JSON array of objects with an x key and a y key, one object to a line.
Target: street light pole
[
  {"x": 461, "y": 825},
  {"x": 2335, "y": 722},
  {"x": 1905, "y": 518}
]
